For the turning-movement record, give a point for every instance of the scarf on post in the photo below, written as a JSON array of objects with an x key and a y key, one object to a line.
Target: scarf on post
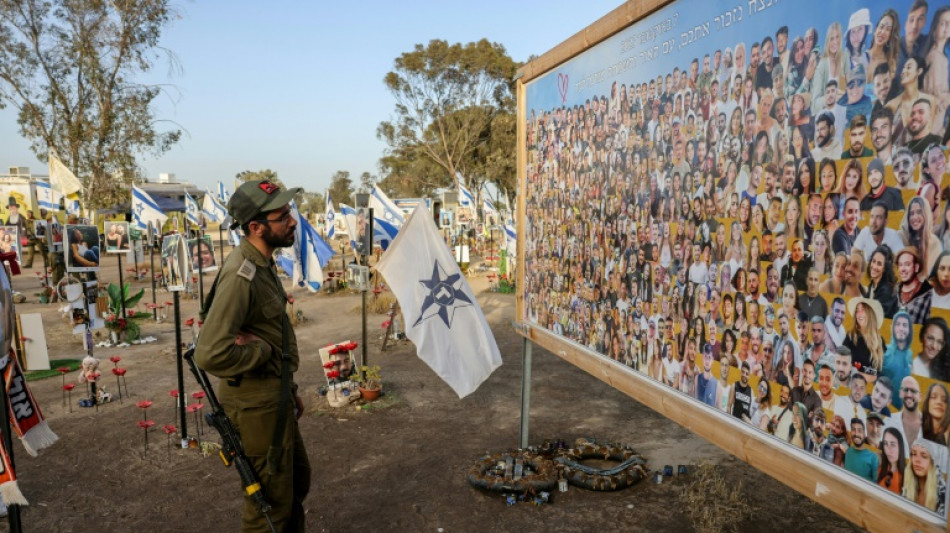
[{"x": 25, "y": 415}]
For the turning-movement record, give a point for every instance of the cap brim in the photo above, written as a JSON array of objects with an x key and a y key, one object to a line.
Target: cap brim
[{"x": 279, "y": 200}]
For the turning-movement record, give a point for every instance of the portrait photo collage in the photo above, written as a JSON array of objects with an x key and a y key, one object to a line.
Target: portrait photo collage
[{"x": 761, "y": 222}]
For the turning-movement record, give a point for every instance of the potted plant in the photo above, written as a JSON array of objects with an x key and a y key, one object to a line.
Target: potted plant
[
  {"x": 370, "y": 383},
  {"x": 127, "y": 324}
]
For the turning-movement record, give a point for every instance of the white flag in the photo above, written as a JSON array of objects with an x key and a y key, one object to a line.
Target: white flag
[
  {"x": 443, "y": 318},
  {"x": 61, "y": 178},
  {"x": 145, "y": 209}
]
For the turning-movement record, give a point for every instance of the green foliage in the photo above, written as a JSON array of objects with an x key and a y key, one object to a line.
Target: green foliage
[
  {"x": 54, "y": 364},
  {"x": 254, "y": 175},
  {"x": 128, "y": 322},
  {"x": 341, "y": 188},
  {"x": 454, "y": 115},
  {"x": 370, "y": 378},
  {"x": 70, "y": 70}
]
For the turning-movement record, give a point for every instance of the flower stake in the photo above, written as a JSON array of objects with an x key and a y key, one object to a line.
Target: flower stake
[
  {"x": 198, "y": 396},
  {"x": 120, "y": 373},
  {"x": 146, "y": 424},
  {"x": 174, "y": 394},
  {"x": 144, "y": 405},
  {"x": 115, "y": 372},
  {"x": 170, "y": 430},
  {"x": 64, "y": 370},
  {"x": 194, "y": 408},
  {"x": 68, "y": 389}
]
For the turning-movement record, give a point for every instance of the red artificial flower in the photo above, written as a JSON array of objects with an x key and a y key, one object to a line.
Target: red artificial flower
[
  {"x": 63, "y": 369},
  {"x": 173, "y": 393},
  {"x": 198, "y": 395},
  {"x": 201, "y": 323},
  {"x": 190, "y": 322},
  {"x": 130, "y": 313},
  {"x": 144, "y": 404},
  {"x": 195, "y": 407},
  {"x": 385, "y": 324},
  {"x": 115, "y": 358},
  {"x": 333, "y": 374},
  {"x": 69, "y": 386},
  {"x": 349, "y": 346},
  {"x": 119, "y": 371},
  {"x": 145, "y": 424},
  {"x": 330, "y": 364},
  {"x": 24, "y": 339},
  {"x": 169, "y": 303},
  {"x": 169, "y": 429},
  {"x": 94, "y": 376},
  {"x": 290, "y": 299}
]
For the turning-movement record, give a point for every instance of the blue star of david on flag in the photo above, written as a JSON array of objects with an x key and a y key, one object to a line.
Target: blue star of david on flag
[{"x": 445, "y": 296}]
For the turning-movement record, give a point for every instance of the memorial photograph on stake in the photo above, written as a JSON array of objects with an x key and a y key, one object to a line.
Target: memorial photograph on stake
[
  {"x": 750, "y": 207},
  {"x": 82, "y": 248},
  {"x": 117, "y": 237},
  {"x": 174, "y": 262}
]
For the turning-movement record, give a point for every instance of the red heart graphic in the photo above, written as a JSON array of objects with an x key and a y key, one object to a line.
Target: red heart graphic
[{"x": 562, "y": 84}]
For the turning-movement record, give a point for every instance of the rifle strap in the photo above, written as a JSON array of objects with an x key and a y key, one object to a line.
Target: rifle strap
[{"x": 276, "y": 447}]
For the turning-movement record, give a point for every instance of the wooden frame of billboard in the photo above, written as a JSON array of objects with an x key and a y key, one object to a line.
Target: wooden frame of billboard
[{"x": 870, "y": 507}]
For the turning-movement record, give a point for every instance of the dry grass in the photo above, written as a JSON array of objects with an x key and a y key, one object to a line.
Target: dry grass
[
  {"x": 712, "y": 505},
  {"x": 378, "y": 305}
]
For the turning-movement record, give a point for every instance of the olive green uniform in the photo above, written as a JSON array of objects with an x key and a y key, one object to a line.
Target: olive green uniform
[{"x": 249, "y": 298}]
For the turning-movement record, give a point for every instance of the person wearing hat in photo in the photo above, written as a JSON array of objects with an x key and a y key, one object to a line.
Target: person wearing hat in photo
[
  {"x": 924, "y": 477},
  {"x": 15, "y": 218},
  {"x": 875, "y": 429},
  {"x": 864, "y": 338},
  {"x": 860, "y": 459},
  {"x": 913, "y": 293},
  {"x": 243, "y": 344},
  {"x": 855, "y": 102}
]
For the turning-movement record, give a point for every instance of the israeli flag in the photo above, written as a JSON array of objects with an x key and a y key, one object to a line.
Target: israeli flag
[
  {"x": 213, "y": 209},
  {"x": 385, "y": 209},
  {"x": 223, "y": 194},
  {"x": 466, "y": 198},
  {"x": 511, "y": 246},
  {"x": 73, "y": 207},
  {"x": 310, "y": 254},
  {"x": 144, "y": 209},
  {"x": 383, "y": 232},
  {"x": 330, "y": 218},
  {"x": 191, "y": 210},
  {"x": 489, "y": 208},
  {"x": 44, "y": 196},
  {"x": 349, "y": 218}
]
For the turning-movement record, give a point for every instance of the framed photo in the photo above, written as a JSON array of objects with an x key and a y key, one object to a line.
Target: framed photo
[
  {"x": 54, "y": 235},
  {"x": 202, "y": 250},
  {"x": 39, "y": 229},
  {"x": 150, "y": 234},
  {"x": 343, "y": 361},
  {"x": 117, "y": 237},
  {"x": 10, "y": 240},
  {"x": 174, "y": 262},
  {"x": 364, "y": 232},
  {"x": 82, "y": 248}
]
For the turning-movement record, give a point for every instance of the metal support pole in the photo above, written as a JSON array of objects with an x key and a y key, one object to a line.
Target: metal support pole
[
  {"x": 121, "y": 287},
  {"x": 181, "y": 372},
  {"x": 151, "y": 259},
  {"x": 201, "y": 271},
  {"x": 525, "y": 392}
]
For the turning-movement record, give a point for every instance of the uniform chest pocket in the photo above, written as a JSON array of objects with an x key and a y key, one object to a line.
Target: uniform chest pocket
[{"x": 272, "y": 306}]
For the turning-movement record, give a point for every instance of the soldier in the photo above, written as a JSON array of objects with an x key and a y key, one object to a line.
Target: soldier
[{"x": 242, "y": 344}]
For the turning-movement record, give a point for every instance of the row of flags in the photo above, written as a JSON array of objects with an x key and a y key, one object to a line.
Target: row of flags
[{"x": 441, "y": 313}]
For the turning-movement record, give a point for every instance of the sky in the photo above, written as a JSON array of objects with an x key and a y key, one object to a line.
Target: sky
[{"x": 297, "y": 87}]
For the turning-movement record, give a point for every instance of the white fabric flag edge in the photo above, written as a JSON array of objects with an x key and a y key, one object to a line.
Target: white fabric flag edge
[{"x": 407, "y": 295}]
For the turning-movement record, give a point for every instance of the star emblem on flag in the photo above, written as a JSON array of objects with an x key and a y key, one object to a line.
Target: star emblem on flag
[{"x": 445, "y": 296}]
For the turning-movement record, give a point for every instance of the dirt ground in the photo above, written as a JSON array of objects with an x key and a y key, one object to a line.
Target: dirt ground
[{"x": 399, "y": 467}]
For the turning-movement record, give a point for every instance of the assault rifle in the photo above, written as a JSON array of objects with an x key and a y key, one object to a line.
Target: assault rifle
[{"x": 232, "y": 451}]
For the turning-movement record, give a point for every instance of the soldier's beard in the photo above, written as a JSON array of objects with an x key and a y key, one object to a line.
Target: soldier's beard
[{"x": 274, "y": 240}]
